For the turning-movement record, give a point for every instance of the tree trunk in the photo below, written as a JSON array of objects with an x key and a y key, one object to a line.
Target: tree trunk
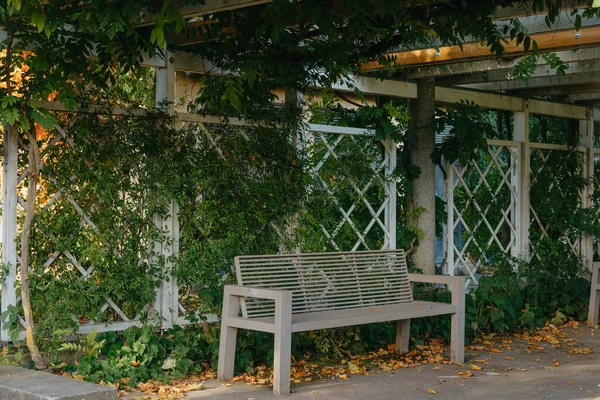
[
  {"x": 421, "y": 204},
  {"x": 34, "y": 165}
]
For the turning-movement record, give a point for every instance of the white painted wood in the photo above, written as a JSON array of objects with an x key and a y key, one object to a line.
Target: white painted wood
[
  {"x": 9, "y": 223},
  {"x": 521, "y": 134},
  {"x": 449, "y": 238},
  {"x": 457, "y": 335},
  {"x": 586, "y": 73},
  {"x": 515, "y": 212},
  {"x": 594, "y": 306},
  {"x": 557, "y": 109},
  {"x": 552, "y": 146},
  {"x": 586, "y": 139},
  {"x": 340, "y": 130},
  {"x": 487, "y": 100},
  {"x": 498, "y": 68},
  {"x": 392, "y": 206},
  {"x": 166, "y": 304}
]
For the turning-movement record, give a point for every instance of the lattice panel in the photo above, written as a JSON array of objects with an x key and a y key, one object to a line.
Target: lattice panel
[
  {"x": 347, "y": 205},
  {"x": 351, "y": 177},
  {"x": 242, "y": 165},
  {"x": 81, "y": 240},
  {"x": 554, "y": 173},
  {"x": 484, "y": 206}
]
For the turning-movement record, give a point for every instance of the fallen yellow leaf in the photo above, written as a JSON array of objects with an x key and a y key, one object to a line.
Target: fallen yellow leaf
[
  {"x": 431, "y": 391},
  {"x": 475, "y": 367}
]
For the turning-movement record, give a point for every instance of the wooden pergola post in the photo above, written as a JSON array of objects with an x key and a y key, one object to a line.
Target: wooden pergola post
[
  {"x": 9, "y": 223},
  {"x": 167, "y": 294},
  {"x": 523, "y": 212}
]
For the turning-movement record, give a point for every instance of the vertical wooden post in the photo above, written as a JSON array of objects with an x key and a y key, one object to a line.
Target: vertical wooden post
[
  {"x": 586, "y": 138},
  {"x": 449, "y": 239},
  {"x": 293, "y": 101},
  {"x": 521, "y": 121},
  {"x": 457, "y": 334},
  {"x": 9, "y": 223},
  {"x": 515, "y": 212},
  {"x": 392, "y": 205},
  {"x": 167, "y": 295}
]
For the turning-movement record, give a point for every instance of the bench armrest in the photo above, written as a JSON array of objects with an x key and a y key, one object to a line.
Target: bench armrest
[
  {"x": 457, "y": 282},
  {"x": 259, "y": 293}
]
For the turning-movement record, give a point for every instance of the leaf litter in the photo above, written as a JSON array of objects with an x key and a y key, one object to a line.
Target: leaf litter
[{"x": 311, "y": 370}]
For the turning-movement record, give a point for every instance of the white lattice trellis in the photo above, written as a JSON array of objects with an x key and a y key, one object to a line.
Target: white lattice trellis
[
  {"x": 539, "y": 226},
  {"x": 482, "y": 204},
  {"x": 382, "y": 213},
  {"x": 119, "y": 320}
]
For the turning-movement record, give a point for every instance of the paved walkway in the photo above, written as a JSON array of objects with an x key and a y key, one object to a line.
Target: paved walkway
[{"x": 517, "y": 373}]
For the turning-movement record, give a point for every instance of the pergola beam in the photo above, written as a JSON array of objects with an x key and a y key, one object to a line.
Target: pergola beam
[
  {"x": 508, "y": 77},
  {"x": 570, "y": 90},
  {"x": 523, "y": 8},
  {"x": 488, "y": 70},
  {"x": 211, "y": 7},
  {"x": 546, "y": 41},
  {"x": 584, "y": 78},
  {"x": 446, "y": 95}
]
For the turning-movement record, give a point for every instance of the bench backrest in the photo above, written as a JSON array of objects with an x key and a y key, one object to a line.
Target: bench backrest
[{"x": 326, "y": 281}]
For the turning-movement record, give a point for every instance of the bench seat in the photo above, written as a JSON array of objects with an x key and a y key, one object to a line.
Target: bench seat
[{"x": 350, "y": 317}]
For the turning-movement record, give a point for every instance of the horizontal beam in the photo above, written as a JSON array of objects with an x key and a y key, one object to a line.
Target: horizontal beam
[
  {"x": 481, "y": 80},
  {"x": 592, "y": 89},
  {"x": 454, "y": 95},
  {"x": 547, "y": 41},
  {"x": 585, "y": 96},
  {"x": 485, "y": 68},
  {"x": 524, "y": 8},
  {"x": 557, "y": 109},
  {"x": 591, "y": 77},
  {"x": 482, "y": 99},
  {"x": 210, "y": 7},
  {"x": 340, "y": 130}
]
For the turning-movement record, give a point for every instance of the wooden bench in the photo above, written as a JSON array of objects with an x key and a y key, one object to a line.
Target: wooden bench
[{"x": 290, "y": 293}]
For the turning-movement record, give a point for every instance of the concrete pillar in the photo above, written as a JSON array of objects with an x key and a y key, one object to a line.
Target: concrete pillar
[{"x": 422, "y": 204}]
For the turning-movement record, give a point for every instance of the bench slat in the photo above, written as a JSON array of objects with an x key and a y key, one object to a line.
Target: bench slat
[{"x": 326, "y": 281}]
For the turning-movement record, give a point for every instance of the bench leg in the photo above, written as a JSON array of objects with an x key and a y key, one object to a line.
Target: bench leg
[
  {"x": 457, "y": 334},
  {"x": 594, "y": 298},
  {"x": 402, "y": 335},
  {"x": 283, "y": 344},
  {"x": 231, "y": 308}
]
